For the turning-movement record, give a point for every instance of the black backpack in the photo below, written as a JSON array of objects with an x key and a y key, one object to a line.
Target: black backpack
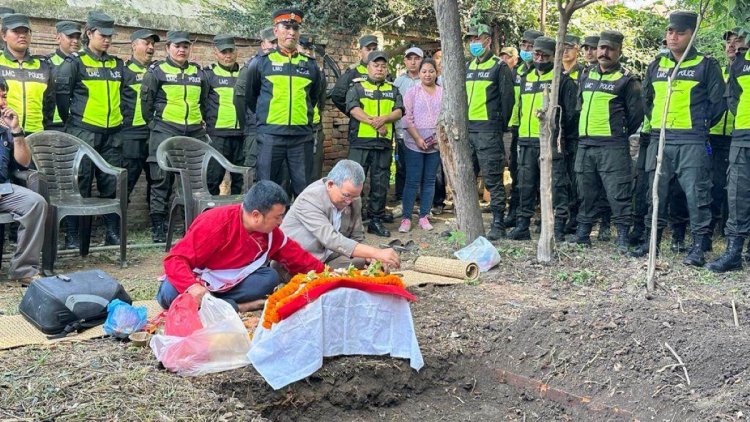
[{"x": 63, "y": 304}]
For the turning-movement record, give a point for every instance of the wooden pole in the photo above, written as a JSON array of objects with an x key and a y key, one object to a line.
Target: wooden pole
[{"x": 452, "y": 130}]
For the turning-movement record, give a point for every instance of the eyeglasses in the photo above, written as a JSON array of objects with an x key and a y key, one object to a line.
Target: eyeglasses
[
  {"x": 291, "y": 26},
  {"x": 541, "y": 55}
]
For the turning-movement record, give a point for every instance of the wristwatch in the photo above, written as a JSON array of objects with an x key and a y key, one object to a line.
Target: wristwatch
[{"x": 18, "y": 134}]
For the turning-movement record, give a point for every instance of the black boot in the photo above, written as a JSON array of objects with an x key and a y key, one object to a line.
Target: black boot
[
  {"x": 678, "y": 238},
  {"x": 695, "y": 256},
  {"x": 158, "y": 233},
  {"x": 583, "y": 234},
  {"x": 72, "y": 238},
  {"x": 636, "y": 235},
  {"x": 376, "y": 227},
  {"x": 643, "y": 248},
  {"x": 112, "y": 224},
  {"x": 510, "y": 220},
  {"x": 521, "y": 231},
  {"x": 622, "y": 238},
  {"x": 708, "y": 243},
  {"x": 730, "y": 260},
  {"x": 497, "y": 231},
  {"x": 605, "y": 228},
  {"x": 560, "y": 229}
]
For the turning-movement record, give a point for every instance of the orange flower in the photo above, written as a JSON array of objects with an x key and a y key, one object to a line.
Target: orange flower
[{"x": 299, "y": 285}]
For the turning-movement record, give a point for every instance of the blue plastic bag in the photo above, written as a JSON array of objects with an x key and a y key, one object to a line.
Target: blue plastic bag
[{"x": 124, "y": 319}]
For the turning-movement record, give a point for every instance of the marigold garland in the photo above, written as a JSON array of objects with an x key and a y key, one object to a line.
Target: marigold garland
[{"x": 301, "y": 284}]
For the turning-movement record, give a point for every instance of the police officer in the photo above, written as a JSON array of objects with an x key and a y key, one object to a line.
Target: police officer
[
  {"x": 611, "y": 110},
  {"x": 244, "y": 115},
  {"x": 574, "y": 69},
  {"x": 306, "y": 46},
  {"x": 31, "y": 85},
  {"x": 135, "y": 132},
  {"x": 367, "y": 44},
  {"x": 489, "y": 87},
  {"x": 374, "y": 105},
  {"x": 68, "y": 40},
  {"x": 283, "y": 88},
  {"x": 531, "y": 99},
  {"x": 525, "y": 64},
  {"x": 173, "y": 92},
  {"x": 719, "y": 137},
  {"x": 221, "y": 117},
  {"x": 693, "y": 109},
  {"x": 738, "y": 177},
  {"x": 589, "y": 47},
  {"x": 88, "y": 100}
]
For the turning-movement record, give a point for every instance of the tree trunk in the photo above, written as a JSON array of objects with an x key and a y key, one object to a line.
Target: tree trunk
[
  {"x": 453, "y": 136},
  {"x": 546, "y": 143}
]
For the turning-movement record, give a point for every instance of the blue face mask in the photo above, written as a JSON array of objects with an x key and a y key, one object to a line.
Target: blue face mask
[
  {"x": 476, "y": 49},
  {"x": 526, "y": 56}
]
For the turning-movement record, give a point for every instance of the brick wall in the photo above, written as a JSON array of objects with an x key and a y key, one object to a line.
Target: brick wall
[{"x": 342, "y": 48}]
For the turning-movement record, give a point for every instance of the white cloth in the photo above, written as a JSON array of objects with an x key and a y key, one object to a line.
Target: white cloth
[
  {"x": 225, "y": 280},
  {"x": 341, "y": 322}
]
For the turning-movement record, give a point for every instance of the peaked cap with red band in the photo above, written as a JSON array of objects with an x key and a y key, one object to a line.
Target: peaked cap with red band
[{"x": 287, "y": 15}]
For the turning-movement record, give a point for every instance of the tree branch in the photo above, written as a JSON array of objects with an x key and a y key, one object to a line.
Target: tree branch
[{"x": 583, "y": 3}]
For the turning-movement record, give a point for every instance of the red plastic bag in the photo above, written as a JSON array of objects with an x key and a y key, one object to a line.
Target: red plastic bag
[{"x": 182, "y": 317}]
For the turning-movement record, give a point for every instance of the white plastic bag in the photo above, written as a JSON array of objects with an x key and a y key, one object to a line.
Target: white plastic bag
[
  {"x": 480, "y": 251},
  {"x": 221, "y": 344}
]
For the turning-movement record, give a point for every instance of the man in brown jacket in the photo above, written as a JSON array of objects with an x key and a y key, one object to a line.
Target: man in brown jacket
[{"x": 326, "y": 220}]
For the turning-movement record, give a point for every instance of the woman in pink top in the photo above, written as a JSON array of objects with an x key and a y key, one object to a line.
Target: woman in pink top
[{"x": 422, "y": 103}]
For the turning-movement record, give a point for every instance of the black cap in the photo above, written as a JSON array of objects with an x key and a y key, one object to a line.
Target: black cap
[
  {"x": 287, "y": 15},
  {"x": 572, "y": 39},
  {"x": 305, "y": 42},
  {"x": 611, "y": 39},
  {"x": 366, "y": 40},
  {"x": 546, "y": 45},
  {"x": 6, "y": 11},
  {"x": 376, "y": 55},
  {"x": 682, "y": 20},
  {"x": 101, "y": 22},
  {"x": 480, "y": 29},
  {"x": 16, "y": 20},
  {"x": 590, "y": 41},
  {"x": 68, "y": 27},
  {"x": 224, "y": 42},
  {"x": 267, "y": 34},
  {"x": 530, "y": 35},
  {"x": 143, "y": 34},
  {"x": 176, "y": 37}
]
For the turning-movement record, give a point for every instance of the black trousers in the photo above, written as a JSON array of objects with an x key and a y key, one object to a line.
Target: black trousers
[
  {"x": 134, "y": 159},
  {"x": 604, "y": 171},
  {"x": 110, "y": 148},
  {"x": 233, "y": 149},
  {"x": 378, "y": 163},
  {"x": 273, "y": 150},
  {"x": 488, "y": 155},
  {"x": 528, "y": 182}
]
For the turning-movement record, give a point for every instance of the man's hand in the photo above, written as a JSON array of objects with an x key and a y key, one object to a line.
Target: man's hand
[
  {"x": 382, "y": 130},
  {"x": 197, "y": 291},
  {"x": 378, "y": 122},
  {"x": 9, "y": 119},
  {"x": 389, "y": 258}
]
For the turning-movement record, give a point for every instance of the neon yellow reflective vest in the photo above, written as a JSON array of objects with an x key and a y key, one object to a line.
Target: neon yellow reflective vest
[
  {"x": 530, "y": 100},
  {"x": 283, "y": 91},
  {"x": 29, "y": 91},
  {"x": 518, "y": 73},
  {"x": 88, "y": 91},
  {"x": 489, "y": 91},
  {"x": 172, "y": 97},
  {"x": 375, "y": 99},
  {"x": 697, "y": 101},
  {"x": 220, "y": 113},
  {"x": 611, "y": 106},
  {"x": 57, "y": 58},
  {"x": 739, "y": 97},
  {"x": 133, "y": 121},
  {"x": 725, "y": 125}
]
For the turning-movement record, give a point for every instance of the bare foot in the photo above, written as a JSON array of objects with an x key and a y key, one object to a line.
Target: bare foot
[{"x": 251, "y": 306}]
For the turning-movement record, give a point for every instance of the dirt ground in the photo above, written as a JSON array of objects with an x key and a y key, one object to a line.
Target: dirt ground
[{"x": 584, "y": 326}]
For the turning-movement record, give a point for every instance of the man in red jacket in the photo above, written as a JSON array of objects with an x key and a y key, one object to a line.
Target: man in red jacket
[{"x": 227, "y": 249}]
